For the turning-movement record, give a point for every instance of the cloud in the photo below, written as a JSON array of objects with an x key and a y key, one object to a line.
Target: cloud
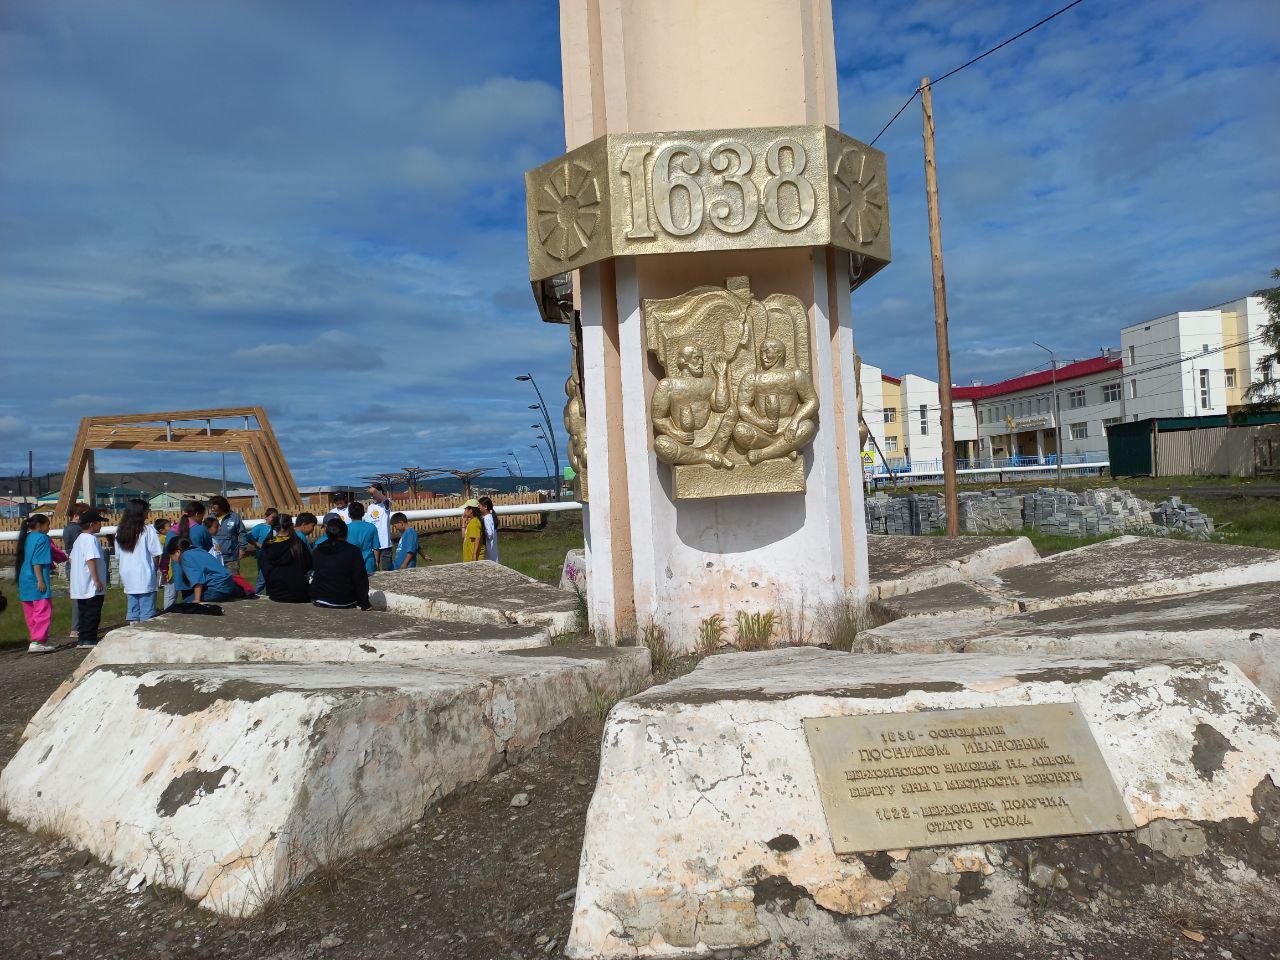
[
  {"x": 318, "y": 207},
  {"x": 331, "y": 350}
]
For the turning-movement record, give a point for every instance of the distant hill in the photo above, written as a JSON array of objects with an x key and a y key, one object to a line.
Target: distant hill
[{"x": 150, "y": 481}]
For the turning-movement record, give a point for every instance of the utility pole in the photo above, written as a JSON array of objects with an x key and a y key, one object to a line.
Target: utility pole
[
  {"x": 940, "y": 316},
  {"x": 1057, "y": 408}
]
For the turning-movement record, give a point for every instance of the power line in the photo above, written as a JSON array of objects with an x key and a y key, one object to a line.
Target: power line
[{"x": 952, "y": 73}]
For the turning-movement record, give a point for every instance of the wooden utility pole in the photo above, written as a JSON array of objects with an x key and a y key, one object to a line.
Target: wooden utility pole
[{"x": 940, "y": 315}]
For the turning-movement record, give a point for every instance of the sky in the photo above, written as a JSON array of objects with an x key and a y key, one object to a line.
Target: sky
[{"x": 317, "y": 206}]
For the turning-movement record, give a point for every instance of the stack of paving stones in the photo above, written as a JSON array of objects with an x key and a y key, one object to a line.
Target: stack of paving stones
[
  {"x": 928, "y": 514},
  {"x": 1173, "y": 514},
  {"x": 1049, "y": 510},
  {"x": 992, "y": 511}
]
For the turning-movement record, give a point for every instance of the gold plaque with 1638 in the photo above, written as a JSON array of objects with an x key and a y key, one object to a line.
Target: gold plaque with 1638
[
  {"x": 942, "y": 777},
  {"x": 690, "y": 191}
]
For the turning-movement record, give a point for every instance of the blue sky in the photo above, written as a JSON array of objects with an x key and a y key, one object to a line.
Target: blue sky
[{"x": 318, "y": 206}]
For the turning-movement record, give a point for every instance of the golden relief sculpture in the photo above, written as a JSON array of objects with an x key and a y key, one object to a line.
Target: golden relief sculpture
[
  {"x": 736, "y": 406},
  {"x": 863, "y": 430},
  {"x": 575, "y": 413}
]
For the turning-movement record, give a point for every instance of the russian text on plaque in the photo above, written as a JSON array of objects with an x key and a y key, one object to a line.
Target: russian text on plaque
[{"x": 934, "y": 778}]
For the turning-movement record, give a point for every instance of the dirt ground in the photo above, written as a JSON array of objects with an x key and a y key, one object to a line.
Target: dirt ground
[{"x": 477, "y": 880}]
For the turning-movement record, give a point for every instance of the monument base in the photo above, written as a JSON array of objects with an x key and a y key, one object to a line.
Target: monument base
[
  {"x": 233, "y": 782},
  {"x": 707, "y": 830}
]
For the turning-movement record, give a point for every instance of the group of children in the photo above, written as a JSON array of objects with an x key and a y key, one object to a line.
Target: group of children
[{"x": 198, "y": 558}]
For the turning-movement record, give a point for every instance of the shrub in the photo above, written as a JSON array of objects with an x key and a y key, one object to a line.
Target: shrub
[{"x": 755, "y": 630}]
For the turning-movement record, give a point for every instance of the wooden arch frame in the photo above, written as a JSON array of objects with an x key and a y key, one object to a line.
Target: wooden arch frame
[{"x": 258, "y": 447}]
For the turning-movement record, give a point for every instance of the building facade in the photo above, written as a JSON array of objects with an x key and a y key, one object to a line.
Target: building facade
[
  {"x": 1193, "y": 363},
  {"x": 1026, "y": 416}
]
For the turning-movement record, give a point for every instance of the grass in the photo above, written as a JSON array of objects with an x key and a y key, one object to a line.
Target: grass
[{"x": 535, "y": 553}]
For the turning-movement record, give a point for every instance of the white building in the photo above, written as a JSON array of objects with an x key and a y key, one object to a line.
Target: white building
[
  {"x": 1192, "y": 363},
  {"x": 1016, "y": 417}
]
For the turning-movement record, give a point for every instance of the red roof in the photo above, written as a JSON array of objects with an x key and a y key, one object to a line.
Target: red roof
[
  {"x": 885, "y": 376},
  {"x": 1072, "y": 371}
]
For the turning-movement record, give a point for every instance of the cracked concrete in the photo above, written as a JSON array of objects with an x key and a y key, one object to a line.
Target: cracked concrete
[
  {"x": 1240, "y": 624},
  {"x": 1126, "y": 568},
  {"x": 481, "y": 592},
  {"x": 233, "y": 782},
  {"x": 701, "y": 777}
]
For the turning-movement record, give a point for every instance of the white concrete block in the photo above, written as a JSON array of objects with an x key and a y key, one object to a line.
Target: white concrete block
[
  {"x": 480, "y": 592},
  {"x": 233, "y": 782},
  {"x": 708, "y": 798}
]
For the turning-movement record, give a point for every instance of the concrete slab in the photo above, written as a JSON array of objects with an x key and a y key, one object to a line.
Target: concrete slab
[
  {"x": 1126, "y": 568},
  {"x": 1239, "y": 624},
  {"x": 707, "y": 811},
  {"x": 482, "y": 592},
  {"x": 266, "y": 632},
  {"x": 232, "y": 782},
  {"x": 905, "y": 564}
]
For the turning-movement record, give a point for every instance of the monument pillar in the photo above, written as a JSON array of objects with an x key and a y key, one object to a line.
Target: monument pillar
[{"x": 713, "y": 214}]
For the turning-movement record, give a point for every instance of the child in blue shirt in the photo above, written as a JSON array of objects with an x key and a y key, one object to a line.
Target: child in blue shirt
[
  {"x": 259, "y": 535},
  {"x": 208, "y": 580},
  {"x": 407, "y": 545},
  {"x": 363, "y": 535}
]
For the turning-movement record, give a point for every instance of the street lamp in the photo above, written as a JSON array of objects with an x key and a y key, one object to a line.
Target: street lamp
[
  {"x": 1057, "y": 410},
  {"x": 551, "y": 430},
  {"x": 512, "y": 455},
  {"x": 541, "y": 456}
]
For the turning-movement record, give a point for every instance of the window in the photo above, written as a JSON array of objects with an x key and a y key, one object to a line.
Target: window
[
  {"x": 1132, "y": 358},
  {"x": 1075, "y": 399},
  {"x": 924, "y": 419},
  {"x": 1133, "y": 389},
  {"x": 890, "y": 414},
  {"x": 1111, "y": 421},
  {"x": 1204, "y": 390},
  {"x": 1229, "y": 377},
  {"x": 1079, "y": 431},
  {"x": 1111, "y": 392},
  {"x": 982, "y": 415},
  {"x": 891, "y": 444}
]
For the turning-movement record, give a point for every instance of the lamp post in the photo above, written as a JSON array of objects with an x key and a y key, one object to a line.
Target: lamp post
[
  {"x": 519, "y": 469},
  {"x": 543, "y": 437},
  {"x": 541, "y": 456},
  {"x": 1057, "y": 410},
  {"x": 551, "y": 430}
]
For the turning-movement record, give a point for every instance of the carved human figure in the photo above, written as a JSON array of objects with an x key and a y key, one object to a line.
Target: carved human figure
[
  {"x": 777, "y": 409},
  {"x": 683, "y": 404},
  {"x": 575, "y": 422}
]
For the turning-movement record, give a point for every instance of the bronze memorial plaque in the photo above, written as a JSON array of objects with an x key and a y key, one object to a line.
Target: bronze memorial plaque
[{"x": 895, "y": 780}]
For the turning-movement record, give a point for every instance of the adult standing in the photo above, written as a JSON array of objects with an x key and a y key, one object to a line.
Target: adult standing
[
  {"x": 232, "y": 536},
  {"x": 340, "y": 509},
  {"x": 69, "y": 534},
  {"x": 35, "y": 591},
  {"x": 490, "y": 521},
  {"x": 87, "y": 568},
  {"x": 378, "y": 513},
  {"x": 139, "y": 550}
]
